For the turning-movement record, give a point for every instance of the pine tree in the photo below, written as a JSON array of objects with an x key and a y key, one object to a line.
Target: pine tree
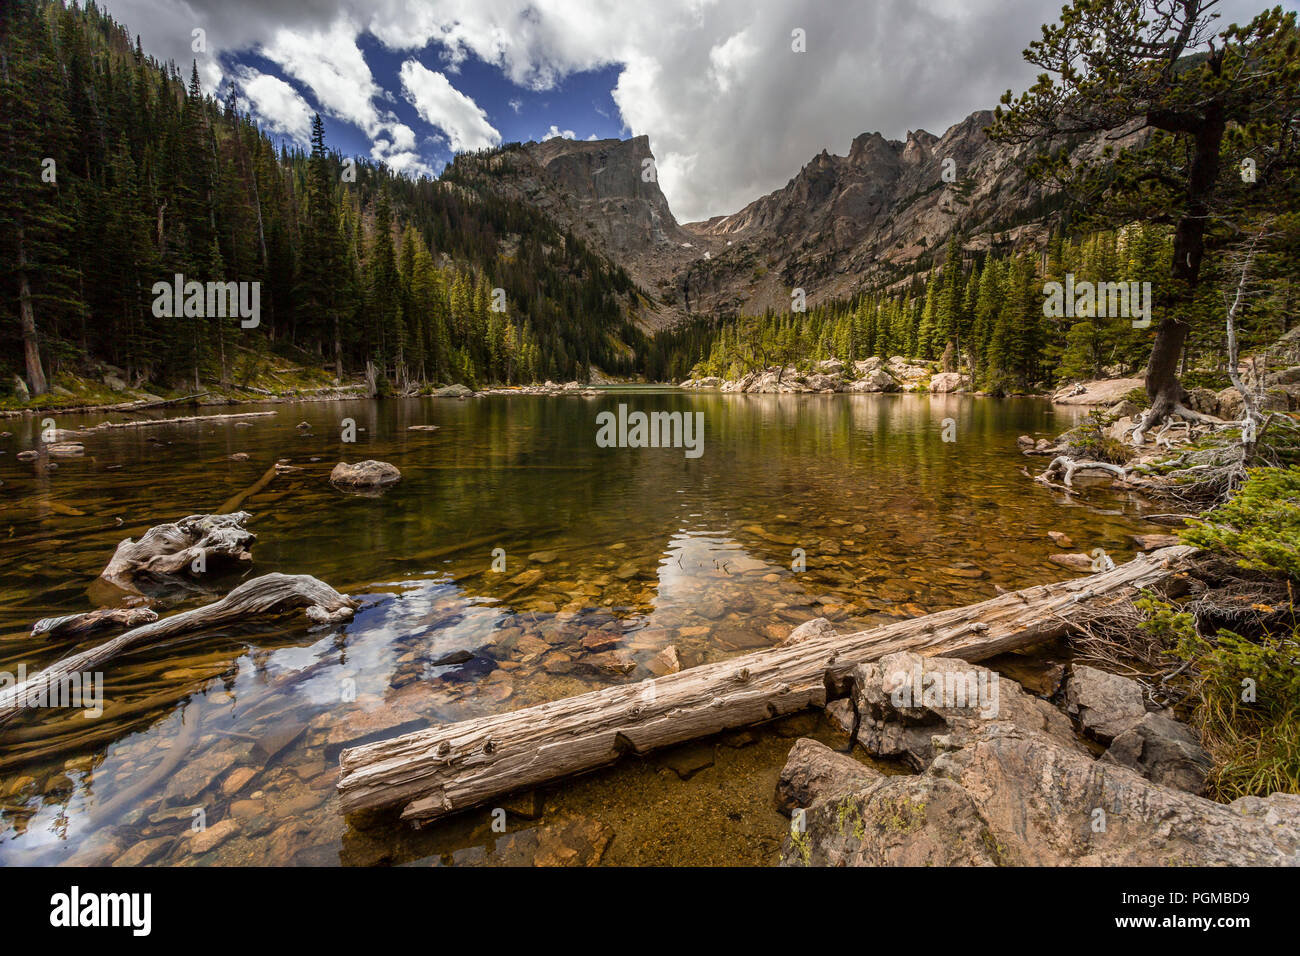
[{"x": 35, "y": 228}]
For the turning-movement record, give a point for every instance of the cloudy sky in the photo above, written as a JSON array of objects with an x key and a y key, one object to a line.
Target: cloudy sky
[{"x": 732, "y": 111}]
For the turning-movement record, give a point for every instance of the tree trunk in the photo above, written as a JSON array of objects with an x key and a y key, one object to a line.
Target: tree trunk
[
  {"x": 338, "y": 350},
  {"x": 27, "y": 321},
  {"x": 447, "y": 768},
  {"x": 1163, "y": 387},
  {"x": 1162, "y": 384}
]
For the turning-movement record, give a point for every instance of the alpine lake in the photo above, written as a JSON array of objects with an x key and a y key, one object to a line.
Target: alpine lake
[{"x": 517, "y": 561}]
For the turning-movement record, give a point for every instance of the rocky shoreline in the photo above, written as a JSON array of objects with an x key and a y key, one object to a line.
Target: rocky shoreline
[
  {"x": 340, "y": 393},
  {"x": 831, "y": 375},
  {"x": 1087, "y": 774}
]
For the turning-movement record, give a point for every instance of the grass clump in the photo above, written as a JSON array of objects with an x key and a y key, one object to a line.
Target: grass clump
[{"x": 1247, "y": 709}]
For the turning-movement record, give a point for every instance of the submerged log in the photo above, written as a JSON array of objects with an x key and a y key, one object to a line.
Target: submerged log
[
  {"x": 232, "y": 503},
  {"x": 268, "y": 595},
  {"x": 450, "y": 767}
]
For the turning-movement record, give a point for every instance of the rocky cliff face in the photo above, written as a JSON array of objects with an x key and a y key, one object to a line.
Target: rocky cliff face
[
  {"x": 843, "y": 223},
  {"x": 601, "y": 191},
  {"x": 848, "y": 222}
]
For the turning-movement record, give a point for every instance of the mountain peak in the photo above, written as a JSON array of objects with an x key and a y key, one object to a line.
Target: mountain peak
[{"x": 869, "y": 147}]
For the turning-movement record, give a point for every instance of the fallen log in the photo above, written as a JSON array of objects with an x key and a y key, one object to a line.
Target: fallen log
[
  {"x": 266, "y": 595},
  {"x": 181, "y": 745},
  {"x": 186, "y": 420},
  {"x": 450, "y": 767}
]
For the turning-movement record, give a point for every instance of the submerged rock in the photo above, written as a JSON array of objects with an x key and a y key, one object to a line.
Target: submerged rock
[
  {"x": 145, "y": 852},
  {"x": 213, "y": 836},
  {"x": 364, "y": 474},
  {"x": 579, "y": 841},
  {"x": 1152, "y": 542},
  {"x": 689, "y": 759},
  {"x": 809, "y": 630},
  {"x": 665, "y": 662},
  {"x": 1075, "y": 562},
  {"x": 455, "y": 657},
  {"x": 197, "y": 774}
]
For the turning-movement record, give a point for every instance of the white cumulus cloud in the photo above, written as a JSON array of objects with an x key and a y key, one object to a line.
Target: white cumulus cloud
[
  {"x": 732, "y": 112},
  {"x": 442, "y": 105},
  {"x": 331, "y": 64},
  {"x": 276, "y": 104}
]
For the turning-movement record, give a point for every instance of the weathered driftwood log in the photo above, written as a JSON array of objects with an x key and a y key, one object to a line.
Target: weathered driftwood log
[
  {"x": 185, "y": 420},
  {"x": 79, "y": 625},
  {"x": 1066, "y": 467},
  {"x": 447, "y": 768},
  {"x": 270, "y": 594},
  {"x": 192, "y": 543}
]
